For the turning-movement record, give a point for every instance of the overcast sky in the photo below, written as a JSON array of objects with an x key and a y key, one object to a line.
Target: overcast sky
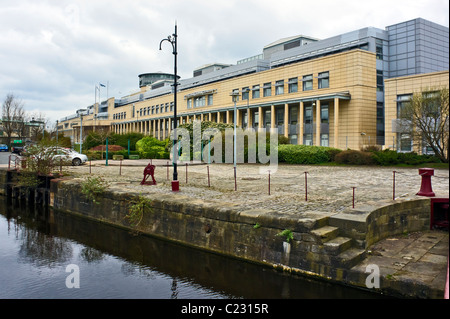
[{"x": 54, "y": 52}]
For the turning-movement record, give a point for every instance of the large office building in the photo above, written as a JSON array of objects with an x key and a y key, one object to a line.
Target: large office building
[{"x": 329, "y": 92}]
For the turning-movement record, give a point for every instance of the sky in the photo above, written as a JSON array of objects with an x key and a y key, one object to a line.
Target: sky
[{"x": 54, "y": 53}]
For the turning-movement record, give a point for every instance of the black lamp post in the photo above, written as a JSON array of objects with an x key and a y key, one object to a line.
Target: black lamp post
[{"x": 172, "y": 39}]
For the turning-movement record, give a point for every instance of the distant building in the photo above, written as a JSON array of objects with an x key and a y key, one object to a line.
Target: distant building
[{"x": 329, "y": 92}]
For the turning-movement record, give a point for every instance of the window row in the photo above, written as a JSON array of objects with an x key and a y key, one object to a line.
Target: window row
[
  {"x": 200, "y": 101},
  {"x": 292, "y": 86}
]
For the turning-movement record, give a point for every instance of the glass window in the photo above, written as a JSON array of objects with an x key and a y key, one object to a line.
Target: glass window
[
  {"x": 189, "y": 103},
  {"x": 324, "y": 80},
  {"x": 405, "y": 142},
  {"x": 402, "y": 100},
  {"x": 293, "y": 85},
  {"x": 379, "y": 52},
  {"x": 267, "y": 89},
  {"x": 279, "y": 87},
  {"x": 255, "y": 92},
  {"x": 324, "y": 114},
  {"x": 210, "y": 99},
  {"x": 380, "y": 82},
  {"x": 245, "y": 93},
  {"x": 324, "y": 140},
  {"x": 199, "y": 101},
  {"x": 308, "y": 115},
  {"x": 307, "y": 82}
]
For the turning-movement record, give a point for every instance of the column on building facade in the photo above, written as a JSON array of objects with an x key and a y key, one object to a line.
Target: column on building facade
[
  {"x": 228, "y": 117},
  {"x": 300, "y": 124},
  {"x": 286, "y": 120},
  {"x": 163, "y": 128},
  {"x": 170, "y": 127},
  {"x": 249, "y": 118},
  {"x": 238, "y": 118},
  {"x": 261, "y": 117},
  {"x": 272, "y": 116},
  {"x": 336, "y": 122},
  {"x": 318, "y": 122}
]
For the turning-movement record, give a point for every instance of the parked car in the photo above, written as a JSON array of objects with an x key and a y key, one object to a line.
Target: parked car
[
  {"x": 57, "y": 153},
  {"x": 17, "y": 150},
  {"x": 69, "y": 154},
  {"x": 4, "y": 148}
]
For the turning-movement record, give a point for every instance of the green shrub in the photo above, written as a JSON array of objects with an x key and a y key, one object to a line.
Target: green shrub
[
  {"x": 390, "y": 157},
  {"x": 303, "y": 154},
  {"x": 150, "y": 147},
  {"x": 354, "y": 157}
]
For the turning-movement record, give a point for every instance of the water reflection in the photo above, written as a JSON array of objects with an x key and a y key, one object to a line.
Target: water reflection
[{"x": 116, "y": 264}]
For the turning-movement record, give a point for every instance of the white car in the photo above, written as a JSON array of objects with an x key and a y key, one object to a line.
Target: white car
[{"x": 69, "y": 154}]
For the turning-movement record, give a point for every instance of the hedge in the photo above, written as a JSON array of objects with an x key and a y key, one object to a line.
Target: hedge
[{"x": 303, "y": 154}]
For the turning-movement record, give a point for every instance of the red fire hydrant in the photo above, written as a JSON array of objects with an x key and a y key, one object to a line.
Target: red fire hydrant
[{"x": 425, "y": 188}]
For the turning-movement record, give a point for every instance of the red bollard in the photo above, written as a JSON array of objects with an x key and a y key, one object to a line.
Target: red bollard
[
  {"x": 353, "y": 202},
  {"x": 306, "y": 186},
  {"x": 425, "y": 187}
]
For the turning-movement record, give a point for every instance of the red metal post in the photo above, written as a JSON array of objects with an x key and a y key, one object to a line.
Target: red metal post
[
  {"x": 235, "y": 183},
  {"x": 209, "y": 185},
  {"x": 306, "y": 186},
  {"x": 353, "y": 197}
]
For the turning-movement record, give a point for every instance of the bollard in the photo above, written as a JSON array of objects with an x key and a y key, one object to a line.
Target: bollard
[
  {"x": 120, "y": 168},
  {"x": 186, "y": 173},
  {"x": 235, "y": 183},
  {"x": 209, "y": 184},
  {"x": 353, "y": 202},
  {"x": 393, "y": 186},
  {"x": 167, "y": 170},
  {"x": 306, "y": 187},
  {"x": 269, "y": 182},
  {"x": 425, "y": 187}
]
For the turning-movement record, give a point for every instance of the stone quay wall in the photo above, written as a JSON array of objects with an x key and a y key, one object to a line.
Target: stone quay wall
[{"x": 323, "y": 244}]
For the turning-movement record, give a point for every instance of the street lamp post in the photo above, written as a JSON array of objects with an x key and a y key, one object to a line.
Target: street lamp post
[
  {"x": 57, "y": 133},
  {"x": 173, "y": 41},
  {"x": 235, "y": 95},
  {"x": 80, "y": 113}
]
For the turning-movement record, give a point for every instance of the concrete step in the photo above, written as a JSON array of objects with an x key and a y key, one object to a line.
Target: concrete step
[
  {"x": 350, "y": 257},
  {"x": 338, "y": 245},
  {"x": 326, "y": 233}
]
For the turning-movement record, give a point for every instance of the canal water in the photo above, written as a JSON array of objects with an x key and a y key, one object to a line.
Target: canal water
[{"x": 51, "y": 254}]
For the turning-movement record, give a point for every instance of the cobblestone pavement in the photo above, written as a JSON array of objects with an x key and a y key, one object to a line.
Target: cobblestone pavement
[{"x": 329, "y": 188}]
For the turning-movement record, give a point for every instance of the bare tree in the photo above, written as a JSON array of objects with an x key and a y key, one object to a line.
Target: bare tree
[
  {"x": 426, "y": 117},
  {"x": 12, "y": 114}
]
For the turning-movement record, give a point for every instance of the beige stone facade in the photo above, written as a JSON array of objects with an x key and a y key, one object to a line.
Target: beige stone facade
[
  {"x": 398, "y": 90},
  {"x": 328, "y": 101}
]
